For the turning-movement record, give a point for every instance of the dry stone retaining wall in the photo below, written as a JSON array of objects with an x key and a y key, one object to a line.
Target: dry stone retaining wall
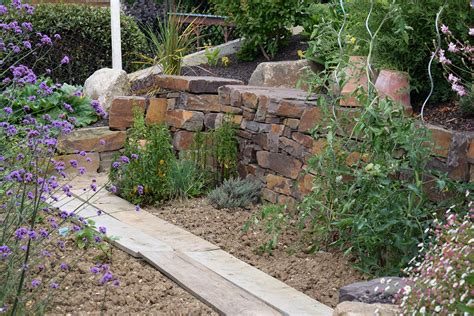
[{"x": 274, "y": 129}]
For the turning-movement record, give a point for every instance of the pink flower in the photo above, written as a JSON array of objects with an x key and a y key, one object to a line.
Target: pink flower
[
  {"x": 443, "y": 59},
  {"x": 452, "y": 48},
  {"x": 445, "y": 30},
  {"x": 452, "y": 78},
  {"x": 471, "y": 31},
  {"x": 459, "y": 89}
]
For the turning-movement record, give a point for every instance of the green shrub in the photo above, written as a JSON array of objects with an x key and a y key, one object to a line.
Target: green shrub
[
  {"x": 404, "y": 41},
  {"x": 185, "y": 179},
  {"x": 466, "y": 104},
  {"x": 264, "y": 24},
  {"x": 236, "y": 193},
  {"x": 85, "y": 38},
  {"x": 141, "y": 173}
]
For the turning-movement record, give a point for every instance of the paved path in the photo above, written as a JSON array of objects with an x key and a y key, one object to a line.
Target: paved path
[{"x": 227, "y": 284}]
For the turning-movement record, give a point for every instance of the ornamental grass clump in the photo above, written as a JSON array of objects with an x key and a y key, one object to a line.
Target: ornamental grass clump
[{"x": 441, "y": 279}]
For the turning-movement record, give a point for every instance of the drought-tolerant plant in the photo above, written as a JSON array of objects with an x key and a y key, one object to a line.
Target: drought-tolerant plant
[
  {"x": 185, "y": 179},
  {"x": 225, "y": 144},
  {"x": 371, "y": 196},
  {"x": 83, "y": 34},
  {"x": 212, "y": 56},
  {"x": 140, "y": 174},
  {"x": 404, "y": 42},
  {"x": 169, "y": 45},
  {"x": 457, "y": 60},
  {"x": 33, "y": 234},
  {"x": 441, "y": 278},
  {"x": 236, "y": 193},
  {"x": 264, "y": 25}
]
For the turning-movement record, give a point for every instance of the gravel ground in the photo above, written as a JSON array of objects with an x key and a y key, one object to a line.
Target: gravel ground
[
  {"x": 142, "y": 289},
  {"x": 318, "y": 275}
]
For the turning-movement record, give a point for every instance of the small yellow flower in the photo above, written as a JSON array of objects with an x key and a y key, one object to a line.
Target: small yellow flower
[
  {"x": 300, "y": 53},
  {"x": 162, "y": 162},
  {"x": 353, "y": 40},
  {"x": 225, "y": 61}
]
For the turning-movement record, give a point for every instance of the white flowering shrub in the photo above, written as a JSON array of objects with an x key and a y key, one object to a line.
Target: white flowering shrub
[{"x": 441, "y": 280}]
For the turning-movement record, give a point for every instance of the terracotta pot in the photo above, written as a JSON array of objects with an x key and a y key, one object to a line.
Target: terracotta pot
[{"x": 394, "y": 85}]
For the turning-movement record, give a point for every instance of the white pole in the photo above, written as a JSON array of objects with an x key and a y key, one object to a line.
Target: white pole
[{"x": 116, "y": 41}]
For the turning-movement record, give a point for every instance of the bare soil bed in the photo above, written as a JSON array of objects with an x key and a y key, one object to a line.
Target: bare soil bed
[
  {"x": 142, "y": 289},
  {"x": 449, "y": 116},
  {"x": 319, "y": 275}
]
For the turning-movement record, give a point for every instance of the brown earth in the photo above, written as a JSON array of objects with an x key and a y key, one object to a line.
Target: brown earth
[
  {"x": 319, "y": 275},
  {"x": 142, "y": 289},
  {"x": 449, "y": 116}
]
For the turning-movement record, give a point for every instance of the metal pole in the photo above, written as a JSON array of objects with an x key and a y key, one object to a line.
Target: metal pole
[{"x": 116, "y": 41}]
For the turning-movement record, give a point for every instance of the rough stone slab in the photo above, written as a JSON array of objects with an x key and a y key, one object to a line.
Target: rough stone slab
[
  {"x": 441, "y": 138},
  {"x": 274, "y": 292},
  {"x": 208, "y": 286},
  {"x": 362, "y": 309},
  {"x": 201, "y": 102},
  {"x": 193, "y": 84},
  {"x": 280, "y": 163},
  {"x": 89, "y": 139},
  {"x": 121, "y": 111},
  {"x": 188, "y": 120},
  {"x": 156, "y": 111}
]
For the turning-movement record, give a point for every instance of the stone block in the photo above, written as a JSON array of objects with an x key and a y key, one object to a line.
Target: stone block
[
  {"x": 470, "y": 153},
  {"x": 305, "y": 183},
  {"x": 457, "y": 161},
  {"x": 263, "y": 104},
  {"x": 183, "y": 140},
  {"x": 183, "y": 119},
  {"x": 156, "y": 111},
  {"x": 224, "y": 95},
  {"x": 269, "y": 195},
  {"x": 261, "y": 139},
  {"x": 235, "y": 98},
  {"x": 280, "y": 163},
  {"x": 287, "y": 108},
  {"x": 303, "y": 139},
  {"x": 363, "y": 309},
  {"x": 273, "y": 137},
  {"x": 249, "y": 100},
  {"x": 106, "y": 159},
  {"x": 249, "y": 116},
  {"x": 279, "y": 184},
  {"x": 91, "y": 161},
  {"x": 291, "y": 147},
  {"x": 380, "y": 290},
  {"x": 441, "y": 138},
  {"x": 310, "y": 117},
  {"x": 95, "y": 139},
  {"x": 244, "y": 134},
  {"x": 213, "y": 120},
  {"x": 193, "y": 84},
  {"x": 231, "y": 109},
  {"x": 288, "y": 201},
  {"x": 292, "y": 123},
  {"x": 319, "y": 145},
  {"x": 201, "y": 102},
  {"x": 121, "y": 111}
]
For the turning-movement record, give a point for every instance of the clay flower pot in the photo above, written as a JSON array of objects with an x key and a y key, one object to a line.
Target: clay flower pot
[{"x": 394, "y": 85}]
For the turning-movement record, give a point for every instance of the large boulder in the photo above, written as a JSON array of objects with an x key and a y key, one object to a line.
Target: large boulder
[
  {"x": 282, "y": 74},
  {"x": 105, "y": 84},
  {"x": 363, "y": 309}
]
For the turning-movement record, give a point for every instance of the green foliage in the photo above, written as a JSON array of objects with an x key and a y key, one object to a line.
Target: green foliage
[
  {"x": 52, "y": 104},
  {"x": 466, "y": 103},
  {"x": 236, "y": 193},
  {"x": 226, "y": 148},
  {"x": 406, "y": 30},
  {"x": 212, "y": 56},
  {"x": 86, "y": 39},
  {"x": 169, "y": 45},
  {"x": 275, "y": 219},
  {"x": 186, "y": 179},
  {"x": 150, "y": 170},
  {"x": 263, "y": 24}
]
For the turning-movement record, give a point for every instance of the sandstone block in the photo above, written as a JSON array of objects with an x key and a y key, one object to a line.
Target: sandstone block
[
  {"x": 292, "y": 123},
  {"x": 263, "y": 104},
  {"x": 441, "y": 138},
  {"x": 183, "y": 140},
  {"x": 249, "y": 100},
  {"x": 96, "y": 139},
  {"x": 310, "y": 117},
  {"x": 279, "y": 184},
  {"x": 193, "y": 84},
  {"x": 291, "y": 147},
  {"x": 183, "y": 119},
  {"x": 269, "y": 195},
  {"x": 156, "y": 112},
  {"x": 363, "y": 309},
  {"x": 105, "y": 84},
  {"x": 121, "y": 111},
  {"x": 201, "y": 102},
  {"x": 287, "y": 108},
  {"x": 280, "y": 163},
  {"x": 305, "y": 183}
]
